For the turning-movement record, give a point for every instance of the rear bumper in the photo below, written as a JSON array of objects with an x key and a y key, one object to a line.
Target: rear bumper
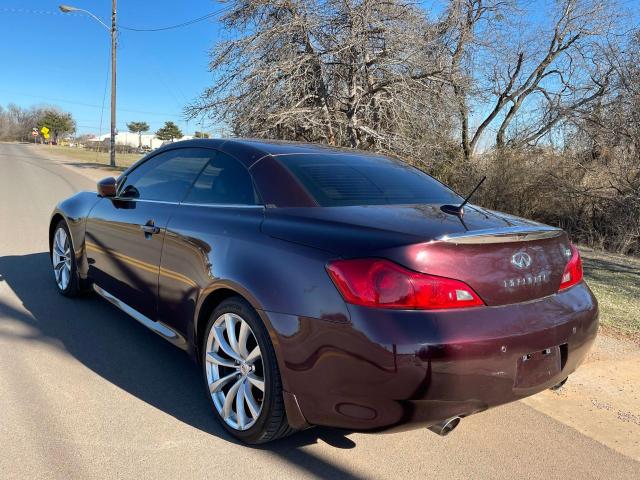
[{"x": 403, "y": 369}]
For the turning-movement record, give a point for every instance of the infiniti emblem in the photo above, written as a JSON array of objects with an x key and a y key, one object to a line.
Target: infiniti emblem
[{"x": 521, "y": 260}]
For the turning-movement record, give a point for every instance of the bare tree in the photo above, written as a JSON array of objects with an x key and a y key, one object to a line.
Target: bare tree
[
  {"x": 443, "y": 89},
  {"x": 521, "y": 77},
  {"x": 366, "y": 74},
  {"x": 16, "y": 123},
  {"x": 607, "y": 138}
]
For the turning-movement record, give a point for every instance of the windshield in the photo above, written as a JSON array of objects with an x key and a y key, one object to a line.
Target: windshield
[{"x": 348, "y": 180}]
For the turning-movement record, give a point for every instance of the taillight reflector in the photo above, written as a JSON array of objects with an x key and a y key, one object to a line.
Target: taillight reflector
[
  {"x": 380, "y": 283},
  {"x": 573, "y": 271}
]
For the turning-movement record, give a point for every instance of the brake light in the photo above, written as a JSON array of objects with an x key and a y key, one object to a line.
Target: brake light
[
  {"x": 573, "y": 271},
  {"x": 374, "y": 282}
]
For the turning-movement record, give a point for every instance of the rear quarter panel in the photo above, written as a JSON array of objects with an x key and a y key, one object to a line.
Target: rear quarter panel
[{"x": 209, "y": 248}]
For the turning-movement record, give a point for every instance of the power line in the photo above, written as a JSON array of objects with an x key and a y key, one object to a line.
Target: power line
[
  {"x": 124, "y": 27},
  {"x": 179, "y": 25},
  {"x": 28, "y": 10},
  {"x": 73, "y": 102},
  {"x": 120, "y": 27}
]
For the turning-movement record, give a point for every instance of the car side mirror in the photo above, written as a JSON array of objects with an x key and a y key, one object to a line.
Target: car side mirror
[{"x": 107, "y": 187}]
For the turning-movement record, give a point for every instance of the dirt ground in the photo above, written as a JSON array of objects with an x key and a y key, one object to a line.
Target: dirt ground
[{"x": 602, "y": 398}]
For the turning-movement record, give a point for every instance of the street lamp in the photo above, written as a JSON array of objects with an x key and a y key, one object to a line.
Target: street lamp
[{"x": 69, "y": 9}]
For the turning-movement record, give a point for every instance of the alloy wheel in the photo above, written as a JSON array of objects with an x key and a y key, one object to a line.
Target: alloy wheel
[
  {"x": 61, "y": 258},
  {"x": 235, "y": 371}
]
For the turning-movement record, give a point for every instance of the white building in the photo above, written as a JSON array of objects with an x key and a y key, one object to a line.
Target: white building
[{"x": 132, "y": 139}]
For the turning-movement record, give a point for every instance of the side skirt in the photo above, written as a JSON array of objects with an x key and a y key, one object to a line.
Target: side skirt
[{"x": 158, "y": 327}]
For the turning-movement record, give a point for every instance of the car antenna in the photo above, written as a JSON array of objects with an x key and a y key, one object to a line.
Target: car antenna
[{"x": 459, "y": 209}]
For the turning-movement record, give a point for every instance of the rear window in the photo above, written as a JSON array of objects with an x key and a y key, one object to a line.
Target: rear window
[{"x": 346, "y": 180}]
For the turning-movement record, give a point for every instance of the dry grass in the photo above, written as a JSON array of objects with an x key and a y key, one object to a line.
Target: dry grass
[
  {"x": 85, "y": 156},
  {"x": 615, "y": 281}
]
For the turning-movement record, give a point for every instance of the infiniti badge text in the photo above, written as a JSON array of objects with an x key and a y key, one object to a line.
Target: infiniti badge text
[{"x": 537, "y": 279}]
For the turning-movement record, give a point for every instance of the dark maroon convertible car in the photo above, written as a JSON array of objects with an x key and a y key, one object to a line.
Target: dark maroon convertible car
[{"x": 318, "y": 286}]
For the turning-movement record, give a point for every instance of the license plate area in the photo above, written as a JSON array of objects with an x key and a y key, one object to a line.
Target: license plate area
[{"x": 538, "y": 367}]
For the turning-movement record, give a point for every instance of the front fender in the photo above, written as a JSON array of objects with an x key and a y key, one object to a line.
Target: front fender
[{"x": 74, "y": 211}]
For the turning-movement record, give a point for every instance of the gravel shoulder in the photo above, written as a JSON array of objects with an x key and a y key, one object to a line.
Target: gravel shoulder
[
  {"x": 84, "y": 156},
  {"x": 90, "y": 164},
  {"x": 602, "y": 398}
]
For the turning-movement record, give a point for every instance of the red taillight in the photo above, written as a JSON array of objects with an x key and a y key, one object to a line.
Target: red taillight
[
  {"x": 374, "y": 282},
  {"x": 573, "y": 271}
]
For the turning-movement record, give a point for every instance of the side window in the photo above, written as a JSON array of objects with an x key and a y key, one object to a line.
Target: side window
[
  {"x": 223, "y": 181},
  {"x": 167, "y": 176}
]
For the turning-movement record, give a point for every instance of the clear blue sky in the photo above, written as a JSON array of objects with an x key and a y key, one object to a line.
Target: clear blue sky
[{"x": 63, "y": 59}]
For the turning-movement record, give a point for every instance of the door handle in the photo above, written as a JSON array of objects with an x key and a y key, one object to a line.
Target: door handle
[{"x": 149, "y": 228}]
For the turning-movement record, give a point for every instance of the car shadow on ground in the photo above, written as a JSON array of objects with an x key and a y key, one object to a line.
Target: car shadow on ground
[
  {"x": 610, "y": 266},
  {"x": 128, "y": 355}
]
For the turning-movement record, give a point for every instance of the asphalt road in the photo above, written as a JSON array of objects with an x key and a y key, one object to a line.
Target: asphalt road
[{"x": 86, "y": 392}]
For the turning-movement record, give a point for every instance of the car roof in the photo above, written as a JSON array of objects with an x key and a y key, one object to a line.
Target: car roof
[
  {"x": 249, "y": 150},
  {"x": 267, "y": 147}
]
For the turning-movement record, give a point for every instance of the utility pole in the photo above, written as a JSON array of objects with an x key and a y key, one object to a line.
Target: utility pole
[
  {"x": 112, "y": 150},
  {"x": 114, "y": 43}
]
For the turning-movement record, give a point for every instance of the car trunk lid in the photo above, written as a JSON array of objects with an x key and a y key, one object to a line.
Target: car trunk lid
[
  {"x": 503, "y": 266},
  {"x": 505, "y": 259}
]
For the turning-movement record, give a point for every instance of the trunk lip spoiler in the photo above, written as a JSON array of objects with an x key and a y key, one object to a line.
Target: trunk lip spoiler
[{"x": 503, "y": 235}]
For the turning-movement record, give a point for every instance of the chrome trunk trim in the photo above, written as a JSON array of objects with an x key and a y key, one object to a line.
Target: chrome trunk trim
[
  {"x": 157, "y": 327},
  {"x": 503, "y": 235}
]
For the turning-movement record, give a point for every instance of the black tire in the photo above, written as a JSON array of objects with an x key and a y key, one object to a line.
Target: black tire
[
  {"x": 73, "y": 288},
  {"x": 558, "y": 386},
  {"x": 272, "y": 422}
]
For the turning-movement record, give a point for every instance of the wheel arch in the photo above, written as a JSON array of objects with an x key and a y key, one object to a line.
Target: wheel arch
[
  {"x": 209, "y": 300},
  {"x": 209, "y": 304},
  {"x": 214, "y": 296},
  {"x": 74, "y": 211},
  {"x": 55, "y": 219}
]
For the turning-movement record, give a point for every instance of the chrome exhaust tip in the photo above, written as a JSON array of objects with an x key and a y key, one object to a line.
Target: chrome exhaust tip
[{"x": 445, "y": 427}]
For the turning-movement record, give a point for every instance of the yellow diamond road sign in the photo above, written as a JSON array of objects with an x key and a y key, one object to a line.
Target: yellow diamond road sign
[{"x": 44, "y": 130}]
